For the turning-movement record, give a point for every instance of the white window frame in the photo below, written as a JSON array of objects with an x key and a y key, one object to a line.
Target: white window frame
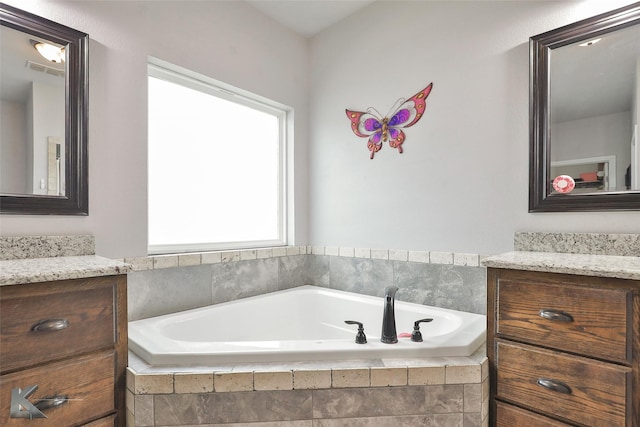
[{"x": 172, "y": 73}]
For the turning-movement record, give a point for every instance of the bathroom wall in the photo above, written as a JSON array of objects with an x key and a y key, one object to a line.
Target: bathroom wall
[
  {"x": 461, "y": 184},
  {"x": 227, "y": 40}
]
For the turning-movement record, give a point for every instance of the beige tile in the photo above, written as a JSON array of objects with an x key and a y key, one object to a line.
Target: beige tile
[
  {"x": 140, "y": 263},
  {"x": 280, "y": 251},
  {"x": 282, "y": 380},
  {"x": 332, "y": 250},
  {"x": 293, "y": 250},
  {"x": 153, "y": 384},
  {"x": 346, "y": 252},
  {"x": 264, "y": 253},
  {"x": 362, "y": 252},
  {"x": 398, "y": 255},
  {"x": 165, "y": 261},
  {"x": 462, "y": 374},
  {"x": 485, "y": 408},
  {"x": 188, "y": 260},
  {"x": 130, "y": 401},
  {"x": 441, "y": 257},
  {"x": 233, "y": 381},
  {"x": 317, "y": 250},
  {"x": 485, "y": 369},
  {"x": 130, "y": 419},
  {"x": 426, "y": 375},
  {"x": 471, "y": 260},
  {"x": 211, "y": 257},
  {"x": 350, "y": 377},
  {"x": 419, "y": 256},
  {"x": 193, "y": 383},
  {"x": 485, "y": 388},
  {"x": 379, "y": 254},
  {"x": 230, "y": 256},
  {"x": 315, "y": 379},
  {"x": 385, "y": 377},
  {"x": 131, "y": 379},
  {"x": 248, "y": 254}
]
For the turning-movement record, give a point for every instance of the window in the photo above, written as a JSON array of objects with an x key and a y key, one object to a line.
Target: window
[{"x": 217, "y": 164}]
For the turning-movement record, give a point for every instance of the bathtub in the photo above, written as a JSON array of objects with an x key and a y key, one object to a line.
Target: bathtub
[{"x": 300, "y": 324}]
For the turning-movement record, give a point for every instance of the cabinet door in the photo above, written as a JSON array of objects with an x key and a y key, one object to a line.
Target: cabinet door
[
  {"x": 47, "y": 321},
  {"x": 578, "y": 319},
  {"x": 83, "y": 385},
  {"x": 572, "y": 388},
  {"x": 512, "y": 416}
]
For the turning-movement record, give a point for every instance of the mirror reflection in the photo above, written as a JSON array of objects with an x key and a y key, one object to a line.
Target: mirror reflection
[
  {"x": 33, "y": 115},
  {"x": 594, "y": 92},
  {"x": 44, "y": 106},
  {"x": 584, "y": 96}
]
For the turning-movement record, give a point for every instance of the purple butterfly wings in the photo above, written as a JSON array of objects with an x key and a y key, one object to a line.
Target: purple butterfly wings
[{"x": 381, "y": 129}]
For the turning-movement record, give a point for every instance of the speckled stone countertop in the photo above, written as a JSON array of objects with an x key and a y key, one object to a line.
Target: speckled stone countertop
[
  {"x": 622, "y": 267},
  {"x": 32, "y": 270}
]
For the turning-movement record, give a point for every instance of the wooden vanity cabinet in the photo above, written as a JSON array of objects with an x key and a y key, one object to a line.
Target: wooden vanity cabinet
[
  {"x": 564, "y": 350},
  {"x": 69, "y": 338}
]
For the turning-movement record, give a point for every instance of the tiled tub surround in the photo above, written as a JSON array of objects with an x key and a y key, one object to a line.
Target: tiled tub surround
[
  {"x": 440, "y": 392},
  {"x": 432, "y": 392},
  {"x": 166, "y": 284}
]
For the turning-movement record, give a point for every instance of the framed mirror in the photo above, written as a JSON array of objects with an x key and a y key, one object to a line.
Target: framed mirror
[
  {"x": 584, "y": 110},
  {"x": 43, "y": 139}
]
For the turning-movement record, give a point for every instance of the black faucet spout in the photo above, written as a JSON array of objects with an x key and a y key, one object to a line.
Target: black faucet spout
[{"x": 389, "y": 334}]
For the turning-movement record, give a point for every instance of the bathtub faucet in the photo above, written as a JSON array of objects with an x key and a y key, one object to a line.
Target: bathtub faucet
[{"x": 389, "y": 335}]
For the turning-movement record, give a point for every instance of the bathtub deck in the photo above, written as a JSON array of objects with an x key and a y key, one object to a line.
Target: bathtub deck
[{"x": 461, "y": 381}]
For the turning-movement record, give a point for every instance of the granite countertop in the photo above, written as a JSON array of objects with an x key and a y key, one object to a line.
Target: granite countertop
[
  {"x": 32, "y": 270},
  {"x": 622, "y": 267}
]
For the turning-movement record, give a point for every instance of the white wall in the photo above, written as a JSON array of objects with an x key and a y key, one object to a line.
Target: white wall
[
  {"x": 229, "y": 41},
  {"x": 462, "y": 183},
  {"x": 13, "y": 149}
]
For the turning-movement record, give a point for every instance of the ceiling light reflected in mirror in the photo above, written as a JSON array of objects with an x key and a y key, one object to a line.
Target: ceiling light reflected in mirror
[{"x": 49, "y": 52}]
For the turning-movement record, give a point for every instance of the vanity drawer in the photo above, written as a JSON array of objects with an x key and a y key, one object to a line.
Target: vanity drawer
[
  {"x": 86, "y": 381},
  {"x": 575, "y": 318},
  {"x": 75, "y": 316},
  {"x": 596, "y": 394},
  {"x": 512, "y": 416}
]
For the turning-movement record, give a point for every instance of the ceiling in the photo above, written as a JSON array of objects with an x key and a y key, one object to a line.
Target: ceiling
[{"x": 308, "y": 17}]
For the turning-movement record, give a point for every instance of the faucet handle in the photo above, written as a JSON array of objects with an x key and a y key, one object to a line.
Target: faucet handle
[
  {"x": 416, "y": 335},
  {"x": 361, "y": 338}
]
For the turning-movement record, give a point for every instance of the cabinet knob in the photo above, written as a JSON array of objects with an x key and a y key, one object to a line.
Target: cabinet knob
[
  {"x": 554, "y": 385},
  {"x": 50, "y": 325},
  {"x": 556, "y": 315},
  {"x": 51, "y": 402}
]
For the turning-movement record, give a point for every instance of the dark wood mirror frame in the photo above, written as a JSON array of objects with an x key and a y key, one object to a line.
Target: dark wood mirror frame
[
  {"x": 75, "y": 201},
  {"x": 540, "y": 46}
]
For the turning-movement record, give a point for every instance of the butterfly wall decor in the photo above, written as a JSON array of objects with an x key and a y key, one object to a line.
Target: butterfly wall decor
[{"x": 404, "y": 113}]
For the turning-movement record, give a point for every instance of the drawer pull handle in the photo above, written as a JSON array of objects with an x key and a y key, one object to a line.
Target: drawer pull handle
[
  {"x": 554, "y": 385},
  {"x": 50, "y": 402},
  {"x": 557, "y": 315},
  {"x": 50, "y": 325}
]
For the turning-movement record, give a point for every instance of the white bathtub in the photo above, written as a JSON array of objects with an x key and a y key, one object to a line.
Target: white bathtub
[{"x": 304, "y": 323}]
